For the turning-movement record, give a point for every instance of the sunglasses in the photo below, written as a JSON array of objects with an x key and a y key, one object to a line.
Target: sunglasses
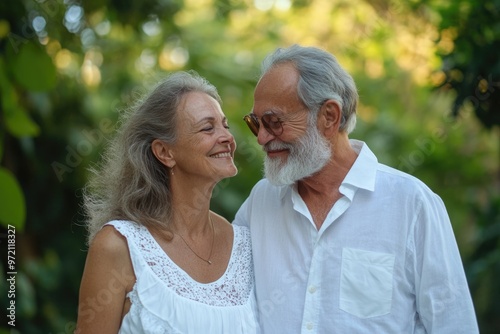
[{"x": 271, "y": 122}]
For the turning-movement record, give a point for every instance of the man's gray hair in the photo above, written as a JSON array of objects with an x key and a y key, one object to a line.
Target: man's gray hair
[{"x": 321, "y": 78}]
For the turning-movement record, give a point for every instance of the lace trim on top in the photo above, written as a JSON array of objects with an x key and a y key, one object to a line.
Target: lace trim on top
[{"x": 233, "y": 288}]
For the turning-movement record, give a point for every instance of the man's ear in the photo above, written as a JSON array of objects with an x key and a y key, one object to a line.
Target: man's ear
[
  {"x": 162, "y": 152},
  {"x": 330, "y": 117}
]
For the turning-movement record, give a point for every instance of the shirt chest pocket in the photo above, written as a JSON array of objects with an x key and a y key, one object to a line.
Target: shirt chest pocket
[{"x": 366, "y": 282}]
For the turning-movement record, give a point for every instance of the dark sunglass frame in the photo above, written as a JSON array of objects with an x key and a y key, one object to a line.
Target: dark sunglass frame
[{"x": 271, "y": 122}]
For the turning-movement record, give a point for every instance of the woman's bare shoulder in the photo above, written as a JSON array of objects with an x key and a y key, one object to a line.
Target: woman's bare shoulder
[{"x": 108, "y": 241}]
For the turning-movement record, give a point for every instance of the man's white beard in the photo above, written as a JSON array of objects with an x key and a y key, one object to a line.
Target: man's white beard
[{"x": 307, "y": 156}]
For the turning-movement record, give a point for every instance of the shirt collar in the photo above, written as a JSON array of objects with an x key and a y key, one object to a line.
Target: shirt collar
[
  {"x": 364, "y": 170},
  {"x": 361, "y": 175}
]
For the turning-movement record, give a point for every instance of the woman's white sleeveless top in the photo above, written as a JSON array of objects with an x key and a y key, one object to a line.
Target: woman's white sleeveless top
[{"x": 165, "y": 299}]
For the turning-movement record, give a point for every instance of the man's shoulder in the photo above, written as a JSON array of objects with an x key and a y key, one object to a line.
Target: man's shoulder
[{"x": 392, "y": 178}]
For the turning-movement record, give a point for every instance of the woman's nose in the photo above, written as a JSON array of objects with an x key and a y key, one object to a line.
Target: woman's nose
[{"x": 226, "y": 136}]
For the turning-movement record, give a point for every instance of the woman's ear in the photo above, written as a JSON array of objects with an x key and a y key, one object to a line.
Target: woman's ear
[
  {"x": 331, "y": 117},
  {"x": 162, "y": 152}
]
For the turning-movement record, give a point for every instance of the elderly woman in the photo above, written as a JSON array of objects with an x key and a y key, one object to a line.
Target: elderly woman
[{"x": 159, "y": 260}]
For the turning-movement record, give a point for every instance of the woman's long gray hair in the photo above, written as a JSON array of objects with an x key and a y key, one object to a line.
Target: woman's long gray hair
[
  {"x": 131, "y": 183},
  {"x": 321, "y": 78}
]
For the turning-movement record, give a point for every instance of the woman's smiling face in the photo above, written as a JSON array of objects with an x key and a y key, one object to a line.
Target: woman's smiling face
[{"x": 204, "y": 146}]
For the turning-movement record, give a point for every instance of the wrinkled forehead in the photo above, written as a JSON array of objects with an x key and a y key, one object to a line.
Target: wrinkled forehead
[
  {"x": 277, "y": 90},
  {"x": 196, "y": 106}
]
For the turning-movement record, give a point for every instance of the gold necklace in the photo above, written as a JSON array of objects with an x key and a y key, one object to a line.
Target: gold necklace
[{"x": 211, "y": 247}]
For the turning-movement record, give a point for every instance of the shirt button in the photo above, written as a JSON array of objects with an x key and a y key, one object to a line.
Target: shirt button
[
  {"x": 310, "y": 326},
  {"x": 312, "y": 289}
]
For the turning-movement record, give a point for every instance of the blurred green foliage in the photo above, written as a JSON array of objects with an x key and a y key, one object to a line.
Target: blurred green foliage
[
  {"x": 67, "y": 68},
  {"x": 468, "y": 44},
  {"x": 472, "y": 68}
]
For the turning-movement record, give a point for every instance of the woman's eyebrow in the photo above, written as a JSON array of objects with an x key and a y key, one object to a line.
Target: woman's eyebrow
[
  {"x": 205, "y": 119},
  {"x": 209, "y": 119}
]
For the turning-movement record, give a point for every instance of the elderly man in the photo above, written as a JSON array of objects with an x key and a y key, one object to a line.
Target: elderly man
[{"x": 342, "y": 243}]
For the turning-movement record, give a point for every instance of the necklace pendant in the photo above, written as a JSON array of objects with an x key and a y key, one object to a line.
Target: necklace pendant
[{"x": 211, "y": 247}]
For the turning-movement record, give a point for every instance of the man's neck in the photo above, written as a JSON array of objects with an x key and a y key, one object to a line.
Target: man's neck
[{"x": 321, "y": 190}]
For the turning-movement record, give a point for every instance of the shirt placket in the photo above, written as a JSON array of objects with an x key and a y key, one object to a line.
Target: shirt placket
[
  {"x": 310, "y": 319},
  {"x": 312, "y": 298}
]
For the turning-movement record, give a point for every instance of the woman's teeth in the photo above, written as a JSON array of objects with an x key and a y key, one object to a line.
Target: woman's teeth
[{"x": 221, "y": 155}]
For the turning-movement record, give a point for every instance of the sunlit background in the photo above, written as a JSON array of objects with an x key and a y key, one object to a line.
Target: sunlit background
[{"x": 428, "y": 74}]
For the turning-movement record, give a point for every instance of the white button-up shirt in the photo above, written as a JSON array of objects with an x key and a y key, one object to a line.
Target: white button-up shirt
[{"x": 385, "y": 259}]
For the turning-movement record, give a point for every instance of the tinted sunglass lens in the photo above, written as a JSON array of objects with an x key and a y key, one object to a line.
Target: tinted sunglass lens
[
  {"x": 272, "y": 124},
  {"x": 253, "y": 123}
]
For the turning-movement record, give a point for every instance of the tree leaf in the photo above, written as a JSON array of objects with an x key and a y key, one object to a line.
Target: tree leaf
[
  {"x": 17, "y": 121},
  {"x": 33, "y": 68},
  {"x": 12, "y": 204},
  {"x": 19, "y": 124}
]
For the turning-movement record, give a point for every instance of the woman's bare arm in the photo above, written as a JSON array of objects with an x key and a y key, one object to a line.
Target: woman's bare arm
[{"x": 107, "y": 277}]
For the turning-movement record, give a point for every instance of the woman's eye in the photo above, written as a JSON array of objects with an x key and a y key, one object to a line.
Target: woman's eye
[{"x": 208, "y": 128}]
